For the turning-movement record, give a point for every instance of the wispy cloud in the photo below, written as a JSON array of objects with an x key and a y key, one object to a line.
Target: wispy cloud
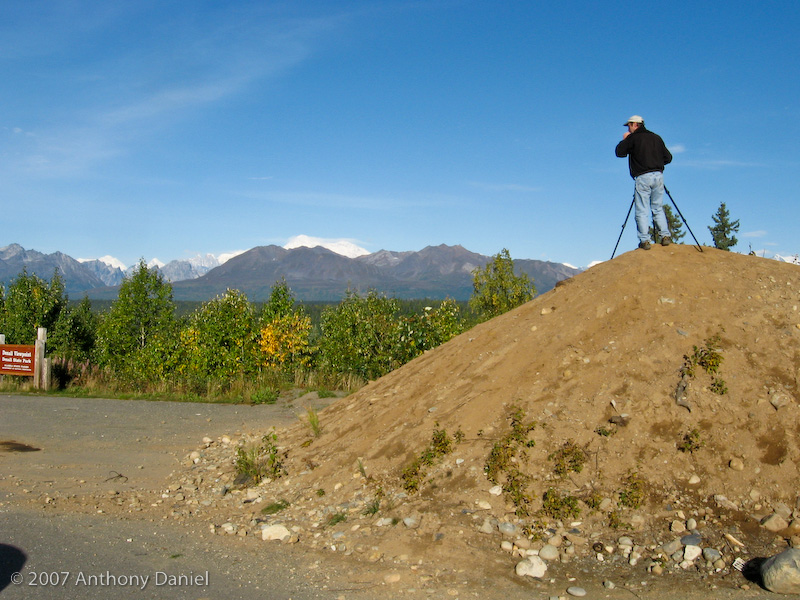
[
  {"x": 226, "y": 256},
  {"x": 677, "y": 149},
  {"x": 135, "y": 93},
  {"x": 168, "y": 101},
  {"x": 754, "y": 234}
]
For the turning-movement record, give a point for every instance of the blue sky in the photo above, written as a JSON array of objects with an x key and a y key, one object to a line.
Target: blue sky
[{"x": 171, "y": 128}]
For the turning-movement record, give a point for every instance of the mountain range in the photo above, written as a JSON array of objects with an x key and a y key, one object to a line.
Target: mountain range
[
  {"x": 81, "y": 276},
  {"x": 313, "y": 274}
]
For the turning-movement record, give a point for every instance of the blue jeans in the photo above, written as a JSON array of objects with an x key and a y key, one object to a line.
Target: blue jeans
[{"x": 648, "y": 197}]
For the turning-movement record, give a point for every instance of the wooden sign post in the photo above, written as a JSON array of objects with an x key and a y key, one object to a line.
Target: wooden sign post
[
  {"x": 18, "y": 359},
  {"x": 38, "y": 371}
]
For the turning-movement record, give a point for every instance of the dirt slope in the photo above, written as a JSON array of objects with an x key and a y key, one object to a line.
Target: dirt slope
[
  {"x": 607, "y": 345},
  {"x": 618, "y": 332}
]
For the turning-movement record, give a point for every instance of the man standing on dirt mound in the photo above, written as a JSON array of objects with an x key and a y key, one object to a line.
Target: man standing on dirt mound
[{"x": 647, "y": 156}]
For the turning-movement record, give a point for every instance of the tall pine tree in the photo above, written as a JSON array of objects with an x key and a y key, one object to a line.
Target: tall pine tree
[{"x": 723, "y": 229}]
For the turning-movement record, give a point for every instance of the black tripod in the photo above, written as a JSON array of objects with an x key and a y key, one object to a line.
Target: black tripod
[
  {"x": 676, "y": 208},
  {"x": 699, "y": 247}
]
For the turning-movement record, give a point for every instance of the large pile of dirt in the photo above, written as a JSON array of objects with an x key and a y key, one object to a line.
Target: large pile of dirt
[{"x": 599, "y": 363}]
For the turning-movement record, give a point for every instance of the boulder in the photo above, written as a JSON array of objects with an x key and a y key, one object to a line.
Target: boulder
[
  {"x": 533, "y": 566},
  {"x": 275, "y": 532},
  {"x": 781, "y": 573}
]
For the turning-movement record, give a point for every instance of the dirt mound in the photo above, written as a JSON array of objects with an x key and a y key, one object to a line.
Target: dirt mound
[
  {"x": 609, "y": 342},
  {"x": 659, "y": 382}
]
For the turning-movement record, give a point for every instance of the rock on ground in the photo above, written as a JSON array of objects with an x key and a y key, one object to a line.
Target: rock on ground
[{"x": 781, "y": 573}]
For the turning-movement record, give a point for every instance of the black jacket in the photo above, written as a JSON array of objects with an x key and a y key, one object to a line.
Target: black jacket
[{"x": 645, "y": 150}]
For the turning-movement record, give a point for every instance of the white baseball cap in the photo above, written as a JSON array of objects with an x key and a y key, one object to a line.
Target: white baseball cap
[{"x": 634, "y": 119}]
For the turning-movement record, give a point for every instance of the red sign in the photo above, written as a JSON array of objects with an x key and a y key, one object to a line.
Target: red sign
[{"x": 16, "y": 360}]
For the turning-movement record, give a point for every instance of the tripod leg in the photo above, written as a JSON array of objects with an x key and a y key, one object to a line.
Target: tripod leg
[
  {"x": 623, "y": 225},
  {"x": 684, "y": 219}
]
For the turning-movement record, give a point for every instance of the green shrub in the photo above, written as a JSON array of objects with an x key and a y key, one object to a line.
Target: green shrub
[
  {"x": 691, "y": 442},
  {"x": 29, "y": 303},
  {"x": 560, "y": 507},
  {"x": 497, "y": 289},
  {"x": 368, "y": 336},
  {"x": 505, "y": 451},
  {"x": 632, "y": 494},
  {"x": 502, "y": 464},
  {"x": 440, "y": 445},
  {"x": 707, "y": 357},
  {"x": 275, "y": 507},
  {"x": 336, "y": 518},
  {"x": 568, "y": 459},
  {"x": 264, "y": 396},
  {"x": 258, "y": 461},
  {"x": 220, "y": 339},
  {"x": 358, "y": 335},
  {"x": 312, "y": 420}
]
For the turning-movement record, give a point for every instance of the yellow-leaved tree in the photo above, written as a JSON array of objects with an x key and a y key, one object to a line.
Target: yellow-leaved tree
[{"x": 285, "y": 331}]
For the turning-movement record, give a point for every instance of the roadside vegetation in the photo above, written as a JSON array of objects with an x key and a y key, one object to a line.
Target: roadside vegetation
[{"x": 232, "y": 350}]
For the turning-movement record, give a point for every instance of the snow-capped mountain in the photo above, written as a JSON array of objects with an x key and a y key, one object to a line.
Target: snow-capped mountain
[
  {"x": 77, "y": 278},
  {"x": 190, "y": 268},
  {"x": 795, "y": 260},
  {"x": 342, "y": 247},
  {"x": 111, "y": 270},
  {"x": 109, "y": 260}
]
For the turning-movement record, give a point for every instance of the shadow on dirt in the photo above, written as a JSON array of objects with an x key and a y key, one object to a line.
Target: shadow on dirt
[
  {"x": 752, "y": 571},
  {"x": 12, "y": 560},
  {"x": 12, "y": 446}
]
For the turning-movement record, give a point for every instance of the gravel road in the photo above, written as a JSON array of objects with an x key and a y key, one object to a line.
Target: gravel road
[{"x": 81, "y": 446}]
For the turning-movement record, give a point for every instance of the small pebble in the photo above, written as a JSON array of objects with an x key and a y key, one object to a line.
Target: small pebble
[
  {"x": 737, "y": 464},
  {"x": 548, "y": 552},
  {"x": 691, "y": 540}
]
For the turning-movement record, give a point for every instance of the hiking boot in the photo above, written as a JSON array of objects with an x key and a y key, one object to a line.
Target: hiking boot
[
  {"x": 644, "y": 245},
  {"x": 666, "y": 241}
]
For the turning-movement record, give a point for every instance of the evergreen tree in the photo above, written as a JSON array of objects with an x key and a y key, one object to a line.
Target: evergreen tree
[
  {"x": 675, "y": 227},
  {"x": 723, "y": 229}
]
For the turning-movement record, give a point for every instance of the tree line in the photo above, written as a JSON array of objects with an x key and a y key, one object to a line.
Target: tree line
[{"x": 231, "y": 346}]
